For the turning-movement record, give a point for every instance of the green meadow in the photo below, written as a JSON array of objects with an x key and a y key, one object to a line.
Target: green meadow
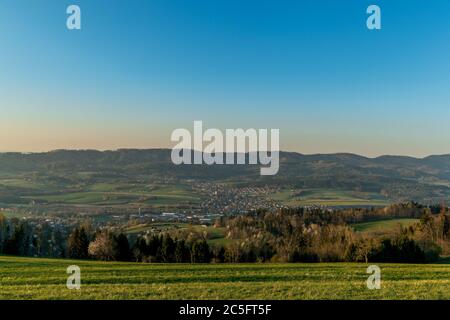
[
  {"x": 33, "y": 278},
  {"x": 383, "y": 226},
  {"x": 107, "y": 194},
  {"x": 326, "y": 197}
]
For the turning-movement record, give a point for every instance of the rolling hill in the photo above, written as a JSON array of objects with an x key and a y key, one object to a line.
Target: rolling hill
[{"x": 89, "y": 174}]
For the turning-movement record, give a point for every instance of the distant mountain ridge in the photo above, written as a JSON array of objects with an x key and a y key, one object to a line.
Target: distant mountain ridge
[{"x": 399, "y": 177}]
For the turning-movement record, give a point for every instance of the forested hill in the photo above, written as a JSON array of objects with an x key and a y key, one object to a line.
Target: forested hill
[{"x": 421, "y": 178}]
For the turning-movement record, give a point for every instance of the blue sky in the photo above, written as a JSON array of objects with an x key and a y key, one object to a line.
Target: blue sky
[{"x": 139, "y": 69}]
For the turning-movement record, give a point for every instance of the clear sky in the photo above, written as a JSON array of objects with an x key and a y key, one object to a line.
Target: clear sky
[{"x": 139, "y": 69}]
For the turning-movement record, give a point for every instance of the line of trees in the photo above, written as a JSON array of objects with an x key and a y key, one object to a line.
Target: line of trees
[
  {"x": 153, "y": 248},
  {"x": 319, "y": 215},
  {"x": 293, "y": 235},
  {"x": 22, "y": 238},
  {"x": 296, "y": 235}
]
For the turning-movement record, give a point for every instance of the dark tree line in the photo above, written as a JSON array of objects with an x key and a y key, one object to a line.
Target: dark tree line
[
  {"x": 322, "y": 216},
  {"x": 24, "y": 239},
  {"x": 317, "y": 235},
  {"x": 163, "y": 248},
  {"x": 153, "y": 248},
  {"x": 288, "y": 235}
]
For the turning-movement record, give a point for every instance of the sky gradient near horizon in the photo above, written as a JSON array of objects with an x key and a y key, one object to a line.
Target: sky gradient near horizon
[{"x": 139, "y": 69}]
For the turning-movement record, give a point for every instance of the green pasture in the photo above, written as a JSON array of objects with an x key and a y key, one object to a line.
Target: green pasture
[{"x": 33, "y": 278}]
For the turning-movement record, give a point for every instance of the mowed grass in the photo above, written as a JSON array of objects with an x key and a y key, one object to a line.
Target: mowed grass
[
  {"x": 383, "y": 226},
  {"x": 21, "y": 183},
  {"x": 120, "y": 194},
  {"x": 327, "y": 197},
  {"x": 30, "y": 278},
  {"x": 97, "y": 198},
  {"x": 172, "y": 195}
]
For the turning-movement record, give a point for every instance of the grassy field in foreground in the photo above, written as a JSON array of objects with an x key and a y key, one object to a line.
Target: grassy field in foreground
[{"x": 29, "y": 278}]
